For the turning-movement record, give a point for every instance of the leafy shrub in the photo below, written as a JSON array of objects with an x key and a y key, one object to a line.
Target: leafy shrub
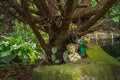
[{"x": 25, "y": 50}]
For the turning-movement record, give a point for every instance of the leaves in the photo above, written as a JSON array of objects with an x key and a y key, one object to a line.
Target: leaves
[
  {"x": 19, "y": 47},
  {"x": 115, "y": 11},
  {"x": 116, "y": 19},
  {"x": 93, "y": 3}
]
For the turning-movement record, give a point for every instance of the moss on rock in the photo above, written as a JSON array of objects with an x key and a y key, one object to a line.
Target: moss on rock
[
  {"x": 99, "y": 66},
  {"x": 97, "y": 54},
  {"x": 74, "y": 72}
]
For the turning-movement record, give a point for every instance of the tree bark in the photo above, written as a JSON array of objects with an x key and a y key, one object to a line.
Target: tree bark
[
  {"x": 60, "y": 51},
  {"x": 58, "y": 30},
  {"x": 59, "y": 55}
]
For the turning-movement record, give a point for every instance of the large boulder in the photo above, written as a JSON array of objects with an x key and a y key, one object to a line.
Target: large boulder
[{"x": 98, "y": 66}]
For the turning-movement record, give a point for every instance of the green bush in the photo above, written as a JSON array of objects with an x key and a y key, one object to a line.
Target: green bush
[{"x": 25, "y": 50}]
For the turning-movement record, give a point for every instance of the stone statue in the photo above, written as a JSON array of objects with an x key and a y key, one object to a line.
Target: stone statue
[{"x": 71, "y": 55}]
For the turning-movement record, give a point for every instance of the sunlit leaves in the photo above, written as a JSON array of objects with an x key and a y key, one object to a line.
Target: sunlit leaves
[
  {"x": 45, "y": 36},
  {"x": 115, "y": 11},
  {"x": 116, "y": 19},
  {"x": 26, "y": 50},
  {"x": 94, "y": 2}
]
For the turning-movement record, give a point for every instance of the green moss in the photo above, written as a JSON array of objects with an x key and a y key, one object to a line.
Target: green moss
[
  {"x": 98, "y": 72},
  {"x": 98, "y": 55},
  {"x": 53, "y": 73},
  {"x": 74, "y": 72},
  {"x": 99, "y": 66}
]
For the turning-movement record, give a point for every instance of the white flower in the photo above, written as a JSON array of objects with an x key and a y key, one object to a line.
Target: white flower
[
  {"x": 5, "y": 43},
  {"x": 34, "y": 46},
  {"x": 15, "y": 47}
]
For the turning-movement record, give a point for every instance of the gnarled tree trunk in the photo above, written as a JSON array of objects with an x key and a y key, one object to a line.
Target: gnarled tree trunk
[{"x": 55, "y": 16}]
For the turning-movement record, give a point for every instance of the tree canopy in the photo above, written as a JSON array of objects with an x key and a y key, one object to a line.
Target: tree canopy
[{"x": 59, "y": 19}]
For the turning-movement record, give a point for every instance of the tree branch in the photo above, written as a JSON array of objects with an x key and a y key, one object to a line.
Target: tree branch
[
  {"x": 98, "y": 15},
  {"x": 81, "y": 10},
  {"x": 69, "y": 9},
  {"x": 16, "y": 6},
  {"x": 60, "y": 6},
  {"x": 26, "y": 11}
]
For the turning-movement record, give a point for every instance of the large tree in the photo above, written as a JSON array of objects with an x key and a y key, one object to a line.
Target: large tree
[{"x": 55, "y": 17}]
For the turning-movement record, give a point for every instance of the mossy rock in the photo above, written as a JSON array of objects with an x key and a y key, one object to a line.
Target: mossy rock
[
  {"x": 99, "y": 66},
  {"x": 97, "y": 54}
]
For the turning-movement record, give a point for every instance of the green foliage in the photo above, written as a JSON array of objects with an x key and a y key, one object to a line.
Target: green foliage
[
  {"x": 45, "y": 36},
  {"x": 93, "y": 3},
  {"x": 1, "y": 16},
  {"x": 24, "y": 32},
  {"x": 22, "y": 43},
  {"x": 53, "y": 57},
  {"x": 25, "y": 50},
  {"x": 115, "y": 11},
  {"x": 79, "y": 1}
]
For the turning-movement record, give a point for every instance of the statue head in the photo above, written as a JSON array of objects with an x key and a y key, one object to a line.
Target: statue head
[{"x": 71, "y": 47}]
